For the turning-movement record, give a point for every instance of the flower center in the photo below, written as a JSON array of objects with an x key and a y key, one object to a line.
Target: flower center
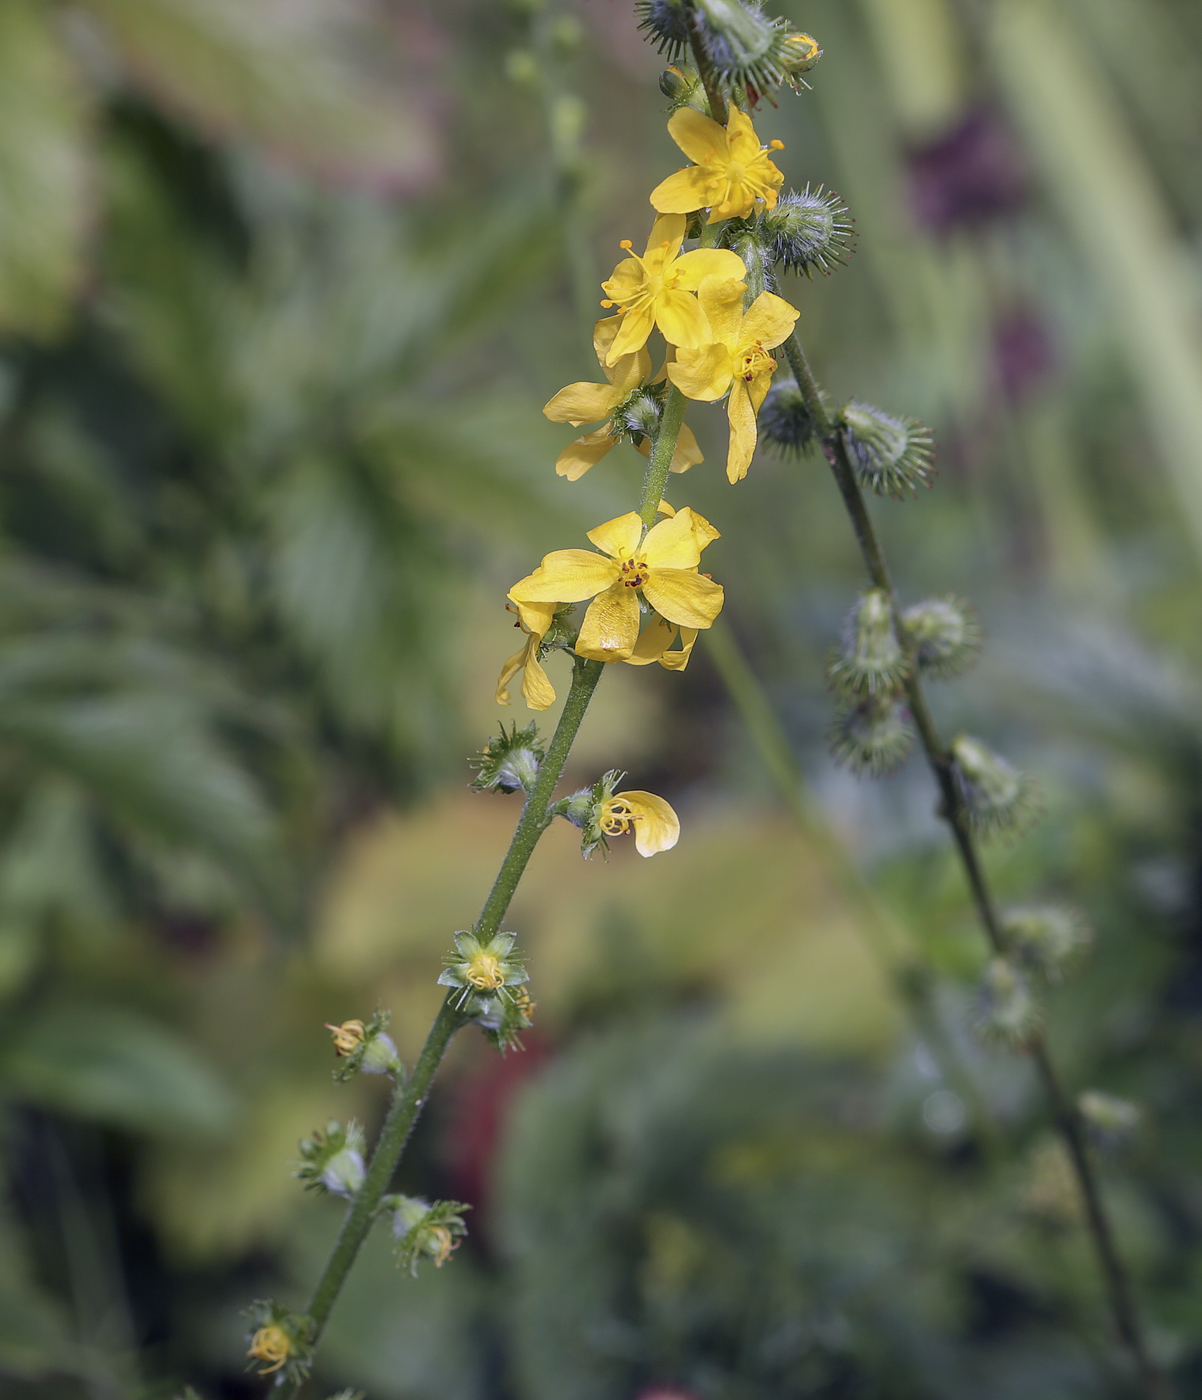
[
  {"x": 633, "y": 573},
  {"x": 484, "y": 972},
  {"x": 616, "y": 817},
  {"x": 754, "y": 361},
  {"x": 270, "y": 1344}
]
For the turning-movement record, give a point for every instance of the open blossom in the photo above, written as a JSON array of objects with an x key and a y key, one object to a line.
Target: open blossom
[
  {"x": 662, "y": 566},
  {"x": 588, "y": 403},
  {"x": 737, "y": 360},
  {"x": 655, "y": 825},
  {"x": 656, "y": 289},
  {"x": 733, "y": 173},
  {"x": 535, "y": 620}
]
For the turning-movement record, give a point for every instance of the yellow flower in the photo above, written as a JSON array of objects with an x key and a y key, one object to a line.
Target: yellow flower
[
  {"x": 662, "y": 565},
  {"x": 733, "y": 172},
  {"x": 656, "y": 826},
  {"x": 587, "y": 403},
  {"x": 534, "y": 619},
  {"x": 270, "y": 1344},
  {"x": 348, "y": 1036},
  {"x": 738, "y": 360},
  {"x": 654, "y": 290}
]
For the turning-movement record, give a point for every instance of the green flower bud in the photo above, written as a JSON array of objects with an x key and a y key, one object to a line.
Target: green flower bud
[
  {"x": 366, "y": 1048},
  {"x": 946, "y": 636},
  {"x": 997, "y": 796},
  {"x": 1005, "y": 1011},
  {"x": 280, "y": 1341},
  {"x": 425, "y": 1231},
  {"x": 1111, "y": 1121},
  {"x": 1049, "y": 938},
  {"x": 874, "y": 736},
  {"x": 509, "y": 761},
  {"x": 872, "y": 662},
  {"x": 682, "y": 88},
  {"x": 808, "y": 230},
  {"x": 892, "y": 456},
  {"x": 333, "y": 1160},
  {"x": 483, "y": 967}
]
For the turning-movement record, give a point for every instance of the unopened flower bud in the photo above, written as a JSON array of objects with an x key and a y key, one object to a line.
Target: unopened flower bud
[
  {"x": 800, "y": 53},
  {"x": 1112, "y": 1121},
  {"x": 333, "y": 1160},
  {"x": 891, "y": 455},
  {"x": 509, "y": 761},
  {"x": 1050, "y": 938},
  {"x": 871, "y": 662},
  {"x": 367, "y": 1048},
  {"x": 873, "y": 736},
  {"x": 997, "y": 796},
  {"x": 946, "y": 636},
  {"x": 679, "y": 87},
  {"x": 808, "y": 230},
  {"x": 1005, "y": 1011},
  {"x": 425, "y": 1231}
]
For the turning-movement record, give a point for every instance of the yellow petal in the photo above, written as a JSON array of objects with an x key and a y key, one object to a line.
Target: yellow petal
[
  {"x": 664, "y": 508},
  {"x": 683, "y": 596},
  {"x": 687, "y": 453},
  {"x": 566, "y": 576},
  {"x": 672, "y": 543},
  {"x": 611, "y": 625},
  {"x": 683, "y": 192},
  {"x": 656, "y": 825},
  {"x": 740, "y": 134},
  {"x": 537, "y": 690},
  {"x": 583, "y": 403},
  {"x": 757, "y": 390},
  {"x": 654, "y": 640},
  {"x": 702, "y": 374},
  {"x": 619, "y": 538},
  {"x": 678, "y": 660},
  {"x": 693, "y": 268},
  {"x": 721, "y": 299},
  {"x": 703, "y": 531},
  {"x": 625, "y": 281},
  {"x": 697, "y": 135},
  {"x": 681, "y": 319},
  {"x": 510, "y": 669},
  {"x": 669, "y": 229},
  {"x": 630, "y": 370},
  {"x": 534, "y": 617},
  {"x": 632, "y": 334},
  {"x": 742, "y": 432},
  {"x": 769, "y": 320},
  {"x": 585, "y": 452}
]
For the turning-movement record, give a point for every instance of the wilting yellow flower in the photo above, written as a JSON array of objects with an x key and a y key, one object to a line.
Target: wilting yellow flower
[
  {"x": 347, "y": 1036},
  {"x": 656, "y": 826},
  {"x": 737, "y": 360},
  {"x": 588, "y": 403},
  {"x": 534, "y": 619},
  {"x": 733, "y": 172},
  {"x": 654, "y": 290},
  {"x": 270, "y": 1344},
  {"x": 662, "y": 565}
]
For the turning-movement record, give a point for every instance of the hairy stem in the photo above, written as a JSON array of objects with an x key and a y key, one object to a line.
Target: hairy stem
[
  {"x": 1068, "y": 1121},
  {"x": 713, "y": 92},
  {"x": 656, "y": 478}
]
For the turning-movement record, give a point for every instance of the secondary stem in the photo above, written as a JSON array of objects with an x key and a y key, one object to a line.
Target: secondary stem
[{"x": 953, "y": 811}]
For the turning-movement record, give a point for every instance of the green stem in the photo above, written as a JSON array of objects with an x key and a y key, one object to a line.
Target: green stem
[
  {"x": 952, "y": 808},
  {"x": 713, "y": 92},
  {"x": 409, "y": 1097}
]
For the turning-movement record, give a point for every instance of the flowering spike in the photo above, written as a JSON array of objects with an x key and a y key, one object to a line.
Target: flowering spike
[
  {"x": 333, "y": 1160},
  {"x": 874, "y": 736},
  {"x": 1005, "y": 1011},
  {"x": 482, "y": 967},
  {"x": 280, "y": 1341},
  {"x": 1112, "y": 1121},
  {"x": 425, "y": 1231},
  {"x": 891, "y": 455},
  {"x": 367, "y": 1049},
  {"x": 509, "y": 761},
  {"x": 997, "y": 796},
  {"x": 1049, "y": 938},
  {"x": 808, "y": 230},
  {"x": 872, "y": 662},
  {"x": 946, "y": 634}
]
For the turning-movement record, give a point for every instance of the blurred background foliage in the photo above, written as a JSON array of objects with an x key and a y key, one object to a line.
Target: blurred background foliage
[{"x": 283, "y": 286}]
